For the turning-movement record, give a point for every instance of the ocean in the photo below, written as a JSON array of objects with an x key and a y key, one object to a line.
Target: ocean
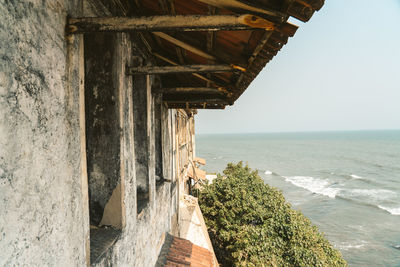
[{"x": 346, "y": 183}]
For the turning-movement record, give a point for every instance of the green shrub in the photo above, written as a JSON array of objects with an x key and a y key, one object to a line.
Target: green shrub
[{"x": 250, "y": 224}]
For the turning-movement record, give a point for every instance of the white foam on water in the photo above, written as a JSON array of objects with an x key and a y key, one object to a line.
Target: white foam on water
[
  {"x": 267, "y": 172},
  {"x": 348, "y": 246},
  {"x": 317, "y": 186},
  {"x": 393, "y": 211},
  {"x": 355, "y": 176},
  {"x": 372, "y": 194}
]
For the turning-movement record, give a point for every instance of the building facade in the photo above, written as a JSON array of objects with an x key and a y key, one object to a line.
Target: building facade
[{"x": 95, "y": 152}]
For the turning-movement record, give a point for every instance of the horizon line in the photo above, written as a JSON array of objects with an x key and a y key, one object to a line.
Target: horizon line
[{"x": 306, "y": 131}]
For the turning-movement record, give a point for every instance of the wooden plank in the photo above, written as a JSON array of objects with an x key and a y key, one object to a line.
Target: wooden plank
[
  {"x": 168, "y": 23},
  {"x": 182, "y": 69},
  {"x": 201, "y": 101},
  {"x": 200, "y": 161},
  {"x": 220, "y": 53},
  {"x": 208, "y": 80},
  {"x": 184, "y": 45},
  {"x": 172, "y": 105},
  {"x": 210, "y": 38},
  {"x": 247, "y": 6},
  {"x": 210, "y": 35},
  {"x": 287, "y": 29},
  {"x": 185, "y": 90},
  {"x": 255, "y": 53},
  {"x": 301, "y": 10},
  {"x": 168, "y": 7},
  {"x": 192, "y": 98}
]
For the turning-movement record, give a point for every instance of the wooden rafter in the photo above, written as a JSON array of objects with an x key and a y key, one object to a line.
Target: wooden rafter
[
  {"x": 199, "y": 101},
  {"x": 217, "y": 52},
  {"x": 188, "y": 90},
  {"x": 168, "y": 23},
  {"x": 184, "y": 45},
  {"x": 182, "y": 69},
  {"x": 168, "y": 7},
  {"x": 192, "y": 98},
  {"x": 247, "y": 6},
  {"x": 201, "y": 77},
  {"x": 210, "y": 34},
  {"x": 255, "y": 53},
  {"x": 187, "y": 105},
  {"x": 172, "y": 44},
  {"x": 210, "y": 37}
]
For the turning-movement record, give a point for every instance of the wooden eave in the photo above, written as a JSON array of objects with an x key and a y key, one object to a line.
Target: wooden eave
[{"x": 237, "y": 52}]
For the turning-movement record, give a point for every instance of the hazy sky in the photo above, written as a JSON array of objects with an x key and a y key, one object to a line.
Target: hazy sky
[{"x": 341, "y": 71}]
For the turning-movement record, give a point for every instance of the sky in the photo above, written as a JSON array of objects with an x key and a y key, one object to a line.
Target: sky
[{"x": 341, "y": 71}]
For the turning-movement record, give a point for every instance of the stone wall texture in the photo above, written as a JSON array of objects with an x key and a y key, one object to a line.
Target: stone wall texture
[
  {"x": 44, "y": 210},
  {"x": 41, "y": 222}
]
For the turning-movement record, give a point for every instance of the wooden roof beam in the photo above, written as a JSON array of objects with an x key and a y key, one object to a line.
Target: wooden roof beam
[
  {"x": 168, "y": 23},
  {"x": 188, "y": 90},
  {"x": 187, "y": 105},
  {"x": 247, "y": 6},
  {"x": 210, "y": 34},
  {"x": 168, "y": 7},
  {"x": 255, "y": 53},
  {"x": 210, "y": 56},
  {"x": 199, "y": 101},
  {"x": 207, "y": 101},
  {"x": 184, "y": 45},
  {"x": 197, "y": 75},
  {"x": 192, "y": 98},
  {"x": 221, "y": 54},
  {"x": 182, "y": 69}
]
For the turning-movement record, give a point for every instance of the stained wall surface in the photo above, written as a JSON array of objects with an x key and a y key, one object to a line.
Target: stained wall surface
[
  {"x": 41, "y": 201},
  {"x": 44, "y": 154}
]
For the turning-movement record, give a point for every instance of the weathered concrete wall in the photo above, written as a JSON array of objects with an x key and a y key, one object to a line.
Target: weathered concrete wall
[
  {"x": 44, "y": 211},
  {"x": 142, "y": 237},
  {"x": 41, "y": 201}
]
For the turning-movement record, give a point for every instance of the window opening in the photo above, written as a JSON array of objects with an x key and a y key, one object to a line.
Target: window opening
[
  {"x": 142, "y": 130},
  {"x": 158, "y": 139},
  {"x": 102, "y": 143}
]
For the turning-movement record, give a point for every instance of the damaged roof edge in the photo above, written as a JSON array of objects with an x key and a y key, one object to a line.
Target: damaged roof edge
[{"x": 206, "y": 52}]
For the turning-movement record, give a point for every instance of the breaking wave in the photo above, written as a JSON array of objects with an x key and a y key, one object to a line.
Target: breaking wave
[
  {"x": 314, "y": 185},
  {"x": 348, "y": 246},
  {"x": 355, "y": 176},
  {"x": 372, "y": 195},
  {"x": 267, "y": 172},
  {"x": 393, "y": 211}
]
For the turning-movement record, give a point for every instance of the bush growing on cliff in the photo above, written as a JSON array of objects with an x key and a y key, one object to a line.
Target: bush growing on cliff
[{"x": 250, "y": 224}]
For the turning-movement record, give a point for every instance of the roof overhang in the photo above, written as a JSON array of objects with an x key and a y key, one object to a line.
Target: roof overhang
[{"x": 207, "y": 52}]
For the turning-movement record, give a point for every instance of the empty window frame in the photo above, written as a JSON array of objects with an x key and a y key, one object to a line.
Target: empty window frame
[
  {"x": 103, "y": 142},
  {"x": 142, "y": 117}
]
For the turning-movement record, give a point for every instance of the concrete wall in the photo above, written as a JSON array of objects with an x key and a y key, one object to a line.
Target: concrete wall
[
  {"x": 44, "y": 189},
  {"x": 42, "y": 205}
]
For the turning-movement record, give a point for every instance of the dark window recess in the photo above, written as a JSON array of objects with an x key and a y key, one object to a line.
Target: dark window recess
[
  {"x": 142, "y": 123},
  {"x": 102, "y": 138},
  {"x": 158, "y": 140}
]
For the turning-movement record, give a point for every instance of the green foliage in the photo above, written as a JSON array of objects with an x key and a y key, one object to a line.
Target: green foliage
[{"x": 250, "y": 224}]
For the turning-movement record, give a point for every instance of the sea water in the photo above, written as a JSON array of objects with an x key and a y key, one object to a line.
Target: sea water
[{"x": 346, "y": 183}]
